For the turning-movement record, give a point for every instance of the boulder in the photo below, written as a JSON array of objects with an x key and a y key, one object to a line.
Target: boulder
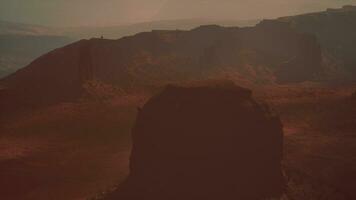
[{"x": 204, "y": 142}]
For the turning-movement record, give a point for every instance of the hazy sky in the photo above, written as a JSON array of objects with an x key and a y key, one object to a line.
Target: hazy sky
[{"x": 114, "y": 12}]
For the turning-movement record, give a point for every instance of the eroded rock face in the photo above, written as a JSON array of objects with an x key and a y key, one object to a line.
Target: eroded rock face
[
  {"x": 204, "y": 142},
  {"x": 267, "y": 53}
]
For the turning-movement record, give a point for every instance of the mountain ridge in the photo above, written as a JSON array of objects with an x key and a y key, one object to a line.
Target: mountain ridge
[
  {"x": 335, "y": 30},
  {"x": 269, "y": 52}
]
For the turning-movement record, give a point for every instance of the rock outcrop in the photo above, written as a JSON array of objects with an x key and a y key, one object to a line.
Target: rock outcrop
[{"x": 204, "y": 142}]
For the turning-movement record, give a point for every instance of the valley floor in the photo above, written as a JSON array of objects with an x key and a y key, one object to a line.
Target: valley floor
[
  {"x": 58, "y": 168},
  {"x": 75, "y": 151}
]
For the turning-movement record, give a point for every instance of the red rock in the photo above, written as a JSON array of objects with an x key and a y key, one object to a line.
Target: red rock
[
  {"x": 208, "y": 142},
  {"x": 271, "y": 50}
]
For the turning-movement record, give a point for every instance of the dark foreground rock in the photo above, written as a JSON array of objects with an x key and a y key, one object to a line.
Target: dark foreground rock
[
  {"x": 204, "y": 142},
  {"x": 353, "y": 96}
]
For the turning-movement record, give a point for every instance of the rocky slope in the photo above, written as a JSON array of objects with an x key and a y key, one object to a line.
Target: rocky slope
[
  {"x": 23, "y": 43},
  {"x": 267, "y": 53}
]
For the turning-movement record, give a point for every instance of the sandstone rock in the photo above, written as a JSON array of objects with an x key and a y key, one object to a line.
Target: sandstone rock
[{"x": 204, "y": 142}]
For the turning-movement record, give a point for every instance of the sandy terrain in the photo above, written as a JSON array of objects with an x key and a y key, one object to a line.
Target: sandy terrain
[{"x": 74, "y": 152}]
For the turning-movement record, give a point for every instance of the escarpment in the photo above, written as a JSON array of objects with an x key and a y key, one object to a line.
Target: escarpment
[{"x": 270, "y": 52}]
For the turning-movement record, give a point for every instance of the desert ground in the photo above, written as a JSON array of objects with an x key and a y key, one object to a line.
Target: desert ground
[{"x": 80, "y": 150}]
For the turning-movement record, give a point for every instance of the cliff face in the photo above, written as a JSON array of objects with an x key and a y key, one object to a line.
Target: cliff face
[
  {"x": 204, "y": 142},
  {"x": 335, "y": 29},
  {"x": 269, "y": 52}
]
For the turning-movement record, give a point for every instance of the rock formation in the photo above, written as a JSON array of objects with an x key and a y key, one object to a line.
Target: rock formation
[
  {"x": 335, "y": 30},
  {"x": 270, "y": 51},
  {"x": 204, "y": 142}
]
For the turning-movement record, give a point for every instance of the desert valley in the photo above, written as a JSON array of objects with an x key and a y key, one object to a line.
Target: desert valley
[{"x": 67, "y": 117}]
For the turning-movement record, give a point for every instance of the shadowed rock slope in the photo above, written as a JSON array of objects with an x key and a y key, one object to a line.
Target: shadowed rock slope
[
  {"x": 204, "y": 142},
  {"x": 353, "y": 96},
  {"x": 336, "y": 32},
  {"x": 268, "y": 52}
]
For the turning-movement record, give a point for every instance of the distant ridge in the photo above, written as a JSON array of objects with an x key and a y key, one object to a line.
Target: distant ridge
[
  {"x": 115, "y": 32},
  {"x": 15, "y": 28},
  {"x": 270, "y": 52},
  {"x": 335, "y": 30},
  {"x": 21, "y": 43}
]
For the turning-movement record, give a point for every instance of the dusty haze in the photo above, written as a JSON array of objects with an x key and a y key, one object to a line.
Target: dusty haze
[{"x": 115, "y": 12}]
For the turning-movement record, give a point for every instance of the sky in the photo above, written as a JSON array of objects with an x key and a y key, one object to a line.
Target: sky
[{"x": 59, "y": 13}]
